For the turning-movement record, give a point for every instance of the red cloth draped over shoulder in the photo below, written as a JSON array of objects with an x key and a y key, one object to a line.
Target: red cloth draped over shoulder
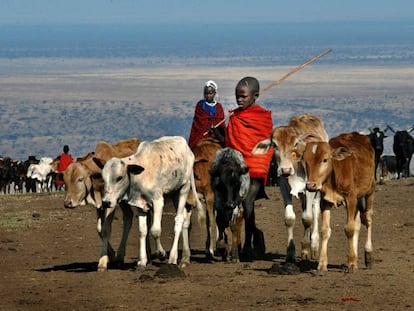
[
  {"x": 202, "y": 121},
  {"x": 65, "y": 160},
  {"x": 245, "y": 129}
]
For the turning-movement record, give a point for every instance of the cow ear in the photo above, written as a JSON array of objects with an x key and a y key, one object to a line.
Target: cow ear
[
  {"x": 99, "y": 162},
  {"x": 134, "y": 169},
  {"x": 341, "y": 153},
  {"x": 262, "y": 147}
]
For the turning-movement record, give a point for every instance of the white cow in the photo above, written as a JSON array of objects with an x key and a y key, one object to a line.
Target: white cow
[
  {"x": 160, "y": 167},
  {"x": 40, "y": 173}
]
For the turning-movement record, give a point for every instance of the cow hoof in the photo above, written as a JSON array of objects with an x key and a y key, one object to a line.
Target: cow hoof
[
  {"x": 209, "y": 255},
  {"x": 103, "y": 263},
  {"x": 319, "y": 272},
  {"x": 140, "y": 268},
  {"x": 184, "y": 264},
  {"x": 369, "y": 260},
  {"x": 161, "y": 256},
  {"x": 352, "y": 269},
  {"x": 305, "y": 255}
]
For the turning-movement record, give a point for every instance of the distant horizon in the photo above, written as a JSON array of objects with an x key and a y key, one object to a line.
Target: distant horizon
[{"x": 276, "y": 42}]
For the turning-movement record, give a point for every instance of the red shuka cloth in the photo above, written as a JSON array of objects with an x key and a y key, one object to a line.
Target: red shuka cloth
[
  {"x": 202, "y": 121},
  {"x": 65, "y": 160},
  {"x": 245, "y": 129}
]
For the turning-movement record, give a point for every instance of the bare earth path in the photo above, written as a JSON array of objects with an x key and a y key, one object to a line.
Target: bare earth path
[{"x": 49, "y": 256}]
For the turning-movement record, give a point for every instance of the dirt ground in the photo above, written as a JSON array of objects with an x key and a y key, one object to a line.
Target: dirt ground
[{"x": 49, "y": 258}]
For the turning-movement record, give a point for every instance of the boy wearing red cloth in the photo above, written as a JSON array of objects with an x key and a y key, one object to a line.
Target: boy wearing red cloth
[
  {"x": 208, "y": 112},
  {"x": 249, "y": 124}
]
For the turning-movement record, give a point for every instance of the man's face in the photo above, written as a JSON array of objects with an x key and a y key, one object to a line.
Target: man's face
[{"x": 244, "y": 97}]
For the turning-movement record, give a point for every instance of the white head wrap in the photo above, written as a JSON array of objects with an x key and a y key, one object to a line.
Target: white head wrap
[{"x": 211, "y": 83}]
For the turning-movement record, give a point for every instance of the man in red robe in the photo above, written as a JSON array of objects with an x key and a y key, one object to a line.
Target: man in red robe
[
  {"x": 249, "y": 124},
  {"x": 64, "y": 160}
]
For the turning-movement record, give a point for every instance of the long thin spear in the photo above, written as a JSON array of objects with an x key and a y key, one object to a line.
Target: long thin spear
[{"x": 273, "y": 84}]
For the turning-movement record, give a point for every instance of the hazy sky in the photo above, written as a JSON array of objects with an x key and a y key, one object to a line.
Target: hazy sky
[{"x": 206, "y": 11}]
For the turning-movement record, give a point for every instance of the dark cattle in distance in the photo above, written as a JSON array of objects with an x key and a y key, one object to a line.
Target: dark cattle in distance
[
  {"x": 403, "y": 148},
  {"x": 376, "y": 137},
  {"x": 387, "y": 167}
]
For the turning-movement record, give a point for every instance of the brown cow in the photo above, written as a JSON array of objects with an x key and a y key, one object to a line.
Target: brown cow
[
  {"x": 84, "y": 185},
  {"x": 205, "y": 152},
  {"x": 289, "y": 142},
  {"x": 342, "y": 171}
]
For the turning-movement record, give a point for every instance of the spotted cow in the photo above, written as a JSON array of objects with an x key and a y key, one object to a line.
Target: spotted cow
[{"x": 289, "y": 143}]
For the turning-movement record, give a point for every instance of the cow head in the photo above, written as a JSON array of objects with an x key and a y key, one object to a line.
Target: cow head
[
  {"x": 288, "y": 148},
  {"x": 230, "y": 182},
  {"x": 116, "y": 176},
  {"x": 78, "y": 185},
  {"x": 318, "y": 158}
]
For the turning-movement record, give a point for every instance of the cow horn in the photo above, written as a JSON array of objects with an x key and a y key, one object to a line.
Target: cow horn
[
  {"x": 410, "y": 129},
  {"x": 392, "y": 130}
]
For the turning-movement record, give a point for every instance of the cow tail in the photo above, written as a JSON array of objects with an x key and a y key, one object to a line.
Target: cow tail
[{"x": 201, "y": 213}]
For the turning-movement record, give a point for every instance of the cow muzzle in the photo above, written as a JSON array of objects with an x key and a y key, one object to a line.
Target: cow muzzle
[{"x": 312, "y": 186}]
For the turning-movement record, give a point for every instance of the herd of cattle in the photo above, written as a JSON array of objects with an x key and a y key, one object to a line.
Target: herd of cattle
[{"x": 213, "y": 181}]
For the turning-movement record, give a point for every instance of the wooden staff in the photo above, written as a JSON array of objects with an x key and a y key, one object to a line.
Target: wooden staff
[{"x": 273, "y": 84}]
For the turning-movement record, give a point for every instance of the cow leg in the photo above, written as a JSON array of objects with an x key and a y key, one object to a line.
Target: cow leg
[
  {"x": 100, "y": 219},
  {"x": 316, "y": 210},
  {"x": 222, "y": 244},
  {"x": 290, "y": 217},
  {"x": 158, "y": 205},
  {"x": 178, "y": 226},
  {"x": 210, "y": 223},
  {"x": 142, "y": 236},
  {"x": 127, "y": 216},
  {"x": 310, "y": 220},
  {"x": 236, "y": 228},
  {"x": 352, "y": 228},
  {"x": 185, "y": 260},
  {"x": 307, "y": 219},
  {"x": 106, "y": 235},
  {"x": 366, "y": 219},
  {"x": 325, "y": 234}
]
